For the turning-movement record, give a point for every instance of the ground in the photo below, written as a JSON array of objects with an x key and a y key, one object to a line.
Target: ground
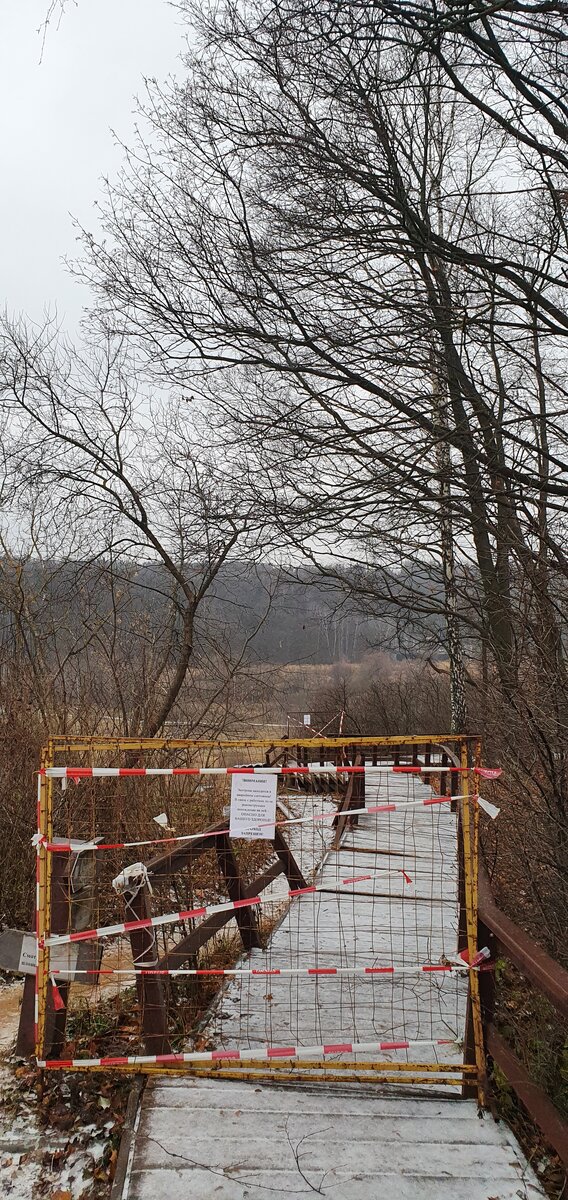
[{"x": 57, "y": 1142}]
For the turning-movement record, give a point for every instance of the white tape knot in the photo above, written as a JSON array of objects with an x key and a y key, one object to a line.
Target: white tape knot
[
  {"x": 132, "y": 879},
  {"x": 460, "y": 960},
  {"x": 491, "y": 809}
]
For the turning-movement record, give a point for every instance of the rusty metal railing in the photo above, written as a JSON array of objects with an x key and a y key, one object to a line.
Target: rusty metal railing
[{"x": 507, "y": 940}]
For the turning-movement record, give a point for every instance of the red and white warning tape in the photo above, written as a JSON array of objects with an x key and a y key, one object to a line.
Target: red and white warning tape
[
  {"x": 449, "y": 968},
  {"x": 59, "y": 939},
  {"x": 78, "y": 773},
  {"x": 369, "y": 809},
  {"x": 483, "y": 772},
  {"x": 252, "y": 1056}
]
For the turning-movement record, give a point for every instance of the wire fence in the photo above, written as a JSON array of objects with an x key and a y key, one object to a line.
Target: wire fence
[{"x": 330, "y": 934}]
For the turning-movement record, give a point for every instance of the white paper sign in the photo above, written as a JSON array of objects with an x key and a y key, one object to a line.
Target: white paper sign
[
  {"x": 61, "y": 959},
  {"x": 307, "y": 718},
  {"x": 27, "y": 963},
  {"x": 253, "y": 806}
]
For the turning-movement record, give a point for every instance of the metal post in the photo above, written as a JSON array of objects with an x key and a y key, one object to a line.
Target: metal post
[
  {"x": 43, "y": 897},
  {"x": 443, "y": 774},
  {"x": 470, "y": 873}
]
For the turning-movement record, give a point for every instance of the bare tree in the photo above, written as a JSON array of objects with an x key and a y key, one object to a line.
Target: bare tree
[
  {"x": 135, "y": 511},
  {"x": 280, "y": 247}
]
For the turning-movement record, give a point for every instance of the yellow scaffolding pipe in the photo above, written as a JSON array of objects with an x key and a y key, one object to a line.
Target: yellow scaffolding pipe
[
  {"x": 428, "y": 1074},
  {"x": 43, "y": 900},
  {"x": 80, "y": 744},
  {"x": 469, "y": 821}
]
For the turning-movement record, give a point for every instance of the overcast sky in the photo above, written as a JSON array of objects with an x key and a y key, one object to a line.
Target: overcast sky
[{"x": 55, "y": 131}]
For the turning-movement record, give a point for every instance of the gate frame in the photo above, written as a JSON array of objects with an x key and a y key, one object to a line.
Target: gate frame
[{"x": 465, "y": 750}]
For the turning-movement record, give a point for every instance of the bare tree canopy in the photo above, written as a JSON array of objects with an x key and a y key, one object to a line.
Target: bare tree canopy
[
  {"x": 100, "y": 474},
  {"x": 342, "y": 241},
  {"x": 345, "y": 234}
]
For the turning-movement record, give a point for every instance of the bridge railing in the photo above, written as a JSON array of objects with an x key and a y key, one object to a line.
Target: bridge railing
[{"x": 508, "y": 941}]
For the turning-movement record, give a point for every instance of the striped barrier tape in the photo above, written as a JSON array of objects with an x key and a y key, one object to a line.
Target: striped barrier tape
[
  {"x": 60, "y": 939},
  {"x": 78, "y": 773},
  {"x": 449, "y": 968},
  {"x": 483, "y": 772},
  {"x": 264, "y": 1055},
  {"x": 370, "y": 809}
]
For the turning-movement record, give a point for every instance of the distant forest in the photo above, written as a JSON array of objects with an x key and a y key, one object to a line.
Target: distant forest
[
  {"x": 309, "y": 619},
  {"x": 280, "y": 616}
]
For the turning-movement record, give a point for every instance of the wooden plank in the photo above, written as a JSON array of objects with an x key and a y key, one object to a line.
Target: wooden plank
[
  {"x": 178, "y": 857},
  {"x": 523, "y": 951},
  {"x": 203, "y": 1183},
  {"x": 415, "y": 1131},
  {"x": 189, "y": 945},
  {"x": 354, "y": 798},
  {"x": 288, "y": 862},
  {"x": 541, "y": 1109},
  {"x": 248, "y": 1145},
  {"x": 340, "y": 1100}
]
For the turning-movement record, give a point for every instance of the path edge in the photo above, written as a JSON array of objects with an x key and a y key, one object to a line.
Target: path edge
[{"x": 118, "y": 1190}]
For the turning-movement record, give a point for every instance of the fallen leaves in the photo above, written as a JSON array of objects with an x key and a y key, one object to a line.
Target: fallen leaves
[
  {"x": 71, "y": 1126},
  {"x": 112, "y": 1165}
]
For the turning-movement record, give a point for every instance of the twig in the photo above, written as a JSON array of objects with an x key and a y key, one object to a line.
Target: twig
[
  {"x": 223, "y": 1174},
  {"x": 295, "y": 1152}
]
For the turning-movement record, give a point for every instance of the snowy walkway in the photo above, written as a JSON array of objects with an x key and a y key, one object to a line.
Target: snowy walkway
[{"x": 237, "y": 1140}]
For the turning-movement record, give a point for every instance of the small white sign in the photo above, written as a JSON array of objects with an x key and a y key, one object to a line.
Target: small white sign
[
  {"x": 307, "y": 718},
  {"x": 27, "y": 963},
  {"x": 253, "y": 806},
  {"x": 61, "y": 959}
]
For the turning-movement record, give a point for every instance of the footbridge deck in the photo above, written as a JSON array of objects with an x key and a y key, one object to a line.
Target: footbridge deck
[{"x": 300, "y": 1134}]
